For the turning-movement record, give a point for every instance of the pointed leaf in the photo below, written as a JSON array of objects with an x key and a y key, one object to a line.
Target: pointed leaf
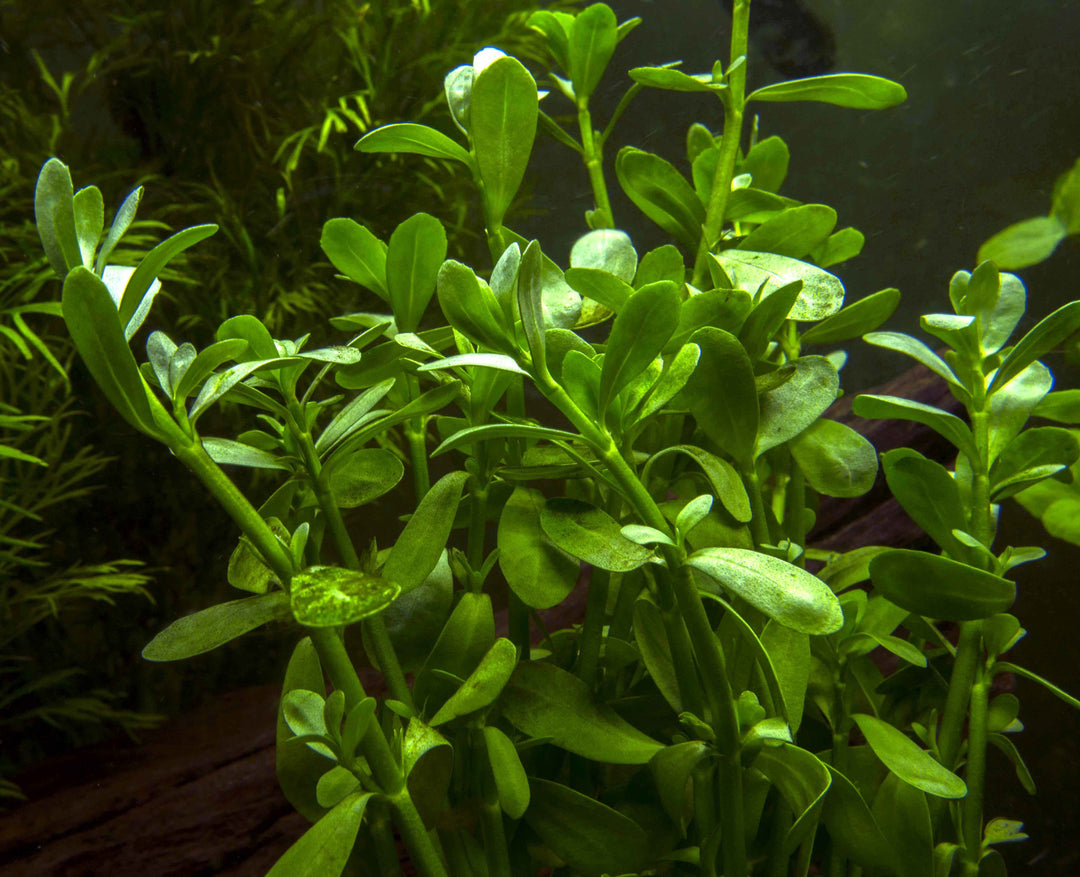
[
  {"x": 511, "y": 783},
  {"x": 356, "y": 253},
  {"x": 1044, "y": 337},
  {"x": 904, "y": 757},
  {"x": 858, "y": 318},
  {"x": 938, "y": 587},
  {"x": 421, "y": 543},
  {"x": 483, "y": 685},
  {"x": 209, "y": 628},
  {"x": 854, "y": 90},
  {"x": 417, "y": 139},
  {"x": 324, "y": 849},
  {"x": 589, "y": 533},
  {"x": 947, "y": 425}
]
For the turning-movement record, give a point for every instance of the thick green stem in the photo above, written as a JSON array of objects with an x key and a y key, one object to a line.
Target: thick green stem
[
  {"x": 592, "y": 630},
  {"x": 759, "y": 523},
  {"x": 734, "y": 108},
  {"x": 594, "y": 163},
  {"x": 975, "y": 775},
  {"x": 415, "y": 438},
  {"x": 795, "y": 509},
  {"x": 841, "y": 737}
]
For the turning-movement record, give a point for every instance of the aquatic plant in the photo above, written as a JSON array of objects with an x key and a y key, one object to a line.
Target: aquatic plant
[{"x": 720, "y": 708}]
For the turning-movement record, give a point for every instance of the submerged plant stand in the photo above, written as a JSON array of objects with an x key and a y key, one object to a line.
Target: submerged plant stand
[{"x": 200, "y": 795}]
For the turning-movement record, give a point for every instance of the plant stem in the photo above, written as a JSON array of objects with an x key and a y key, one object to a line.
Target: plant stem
[
  {"x": 759, "y": 523},
  {"x": 972, "y": 805},
  {"x": 415, "y": 437},
  {"x": 592, "y": 630},
  {"x": 734, "y": 108},
  {"x": 594, "y": 163}
]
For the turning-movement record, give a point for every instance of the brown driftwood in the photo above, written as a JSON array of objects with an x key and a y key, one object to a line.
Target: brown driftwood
[{"x": 199, "y": 796}]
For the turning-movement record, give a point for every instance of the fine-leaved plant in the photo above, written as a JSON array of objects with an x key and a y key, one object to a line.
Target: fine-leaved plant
[{"x": 650, "y": 425}]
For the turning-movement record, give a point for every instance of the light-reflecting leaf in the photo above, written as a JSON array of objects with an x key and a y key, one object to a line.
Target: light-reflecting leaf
[
  {"x": 330, "y": 596},
  {"x": 421, "y": 543},
  {"x": 511, "y": 782},
  {"x": 857, "y": 91},
  {"x": 796, "y": 404},
  {"x": 589, "y": 533},
  {"x": 835, "y": 459},
  {"x": 822, "y": 293},
  {"x": 483, "y": 685},
  {"x": 417, "y": 139},
  {"x": 415, "y": 254},
  {"x": 782, "y": 591},
  {"x": 356, "y": 253}
]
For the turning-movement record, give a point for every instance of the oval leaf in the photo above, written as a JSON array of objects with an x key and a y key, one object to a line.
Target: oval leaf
[
  {"x": 329, "y": 596},
  {"x": 857, "y": 91},
  {"x": 939, "y": 587},
  {"x": 905, "y": 758},
  {"x": 209, "y": 628},
  {"x": 410, "y": 137},
  {"x": 591, "y": 534}
]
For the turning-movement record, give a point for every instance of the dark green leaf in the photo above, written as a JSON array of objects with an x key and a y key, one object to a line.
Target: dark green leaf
[
  {"x": 428, "y": 760},
  {"x": 204, "y": 363},
  {"x": 600, "y": 286},
  {"x": 903, "y": 756},
  {"x": 535, "y": 570},
  {"x": 502, "y": 430},
  {"x": 351, "y": 416},
  {"x": 840, "y": 246},
  {"x": 671, "y": 769},
  {"x": 1006, "y": 746},
  {"x": 209, "y": 628},
  {"x": 365, "y": 474},
  {"x": 330, "y": 596},
  {"x": 421, "y": 543},
  {"x": 835, "y": 459},
  {"x": 470, "y": 307},
  {"x": 152, "y": 265},
  {"x": 640, "y": 331},
  {"x": 651, "y": 640},
  {"x": 1044, "y": 337},
  {"x": 794, "y": 232},
  {"x": 416, "y": 252},
  {"x": 903, "y": 814},
  {"x": 417, "y": 139},
  {"x": 767, "y": 163},
  {"x": 232, "y": 453},
  {"x": 662, "y": 194},
  {"x": 852, "y": 827},
  {"x": 356, "y": 253},
  {"x": 468, "y": 635},
  {"x": 591, "y": 534},
  {"x": 1033, "y": 449},
  {"x": 589, "y": 836},
  {"x": 544, "y": 701},
  {"x": 781, "y": 590},
  {"x": 857, "y": 91},
  {"x": 299, "y": 767},
  {"x": 414, "y": 619},
  {"x": 54, "y": 214},
  {"x": 802, "y": 779},
  {"x": 511, "y": 783},
  {"x": 672, "y": 381},
  {"x": 530, "y": 299},
  {"x": 724, "y": 480},
  {"x": 673, "y": 80},
  {"x": 947, "y": 425},
  {"x": 89, "y": 210},
  {"x": 483, "y": 685},
  {"x": 938, "y": 587},
  {"x": 724, "y": 364},
  {"x": 324, "y": 849},
  {"x": 590, "y": 47},
  {"x": 856, "y": 319},
  {"x": 502, "y": 121},
  {"x": 929, "y": 494}
]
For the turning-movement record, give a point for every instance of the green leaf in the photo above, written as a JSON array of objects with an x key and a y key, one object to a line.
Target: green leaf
[
  {"x": 535, "y": 570},
  {"x": 903, "y": 813},
  {"x": 590, "y": 47},
  {"x": 428, "y": 760},
  {"x": 802, "y": 779},
  {"x": 723, "y": 363},
  {"x": 356, "y": 253},
  {"x": 638, "y": 335},
  {"x": 1008, "y": 748},
  {"x": 324, "y": 849},
  {"x": 671, "y": 769},
  {"x": 662, "y": 194},
  {"x": 857, "y": 91},
  {"x": 610, "y": 250},
  {"x": 796, "y": 404},
  {"x": 724, "y": 480},
  {"x": 502, "y": 121},
  {"x": 591, "y": 534},
  {"x": 673, "y": 80},
  {"x": 152, "y": 265},
  {"x": 209, "y": 628},
  {"x": 1024, "y": 243},
  {"x": 782, "y": 591},
  {"x": 852, "y": 827},
  {"x": 910, "y": 763},
  {"x": 787, "y": 656},
  {"x": 91, "y": 318},
  {"x": 499, "y": 361},
  {"x": 1062, "y": 406},
  {"x": 502, "y": 430},
  {"x": 470, "y": 307},
  {"x": 416, "y": 139},
  {"x": 944, "y": 424},
  {"x": 468, "y": 635},
  {"x": 554, "y": 28},
  {"x": 930, "y": 496},
  {"x": 590, "y": 837},
  {"x": 794, "y": 232},
  {"x": 835, "y": 459},
  {"x": 767, "y": 163},
  {"x": 765, "y": 319},
  {"x": 203, "y": 365},
  {"x": 511, "y": 782},
  {"x": 650, "y": 636},
  {"x": 672, "y": 381},
  {"x": 416, "y": 252},
  {"x": 530, "y": 300},
  {"x": 542, "y": 700},
  {"x": 839, "y": 247},
  {"x": 1044, "y": 337},
  {"x": 298, "y": 766},
  {"x": 916, "y": 350},
  {"x": 363, "y": 475},
  {"x": 601, "y": 286},
  {"x": 421, "y": 543},
  {"x": 822, "y": 293},
  {"x": 89, "y": 208},
  {"x": 330, "y": 596},
  {"x": 1006, "y": 667},
  {"x": 1031, "y": 451},
  {"x": 226, "y": 452},
  {"x": 54, "y": 214},
  {"x": 125, "y": 215},
  {"x": 415, "y": 619},
  {"x": 938, "y": 587},
  {"x": 856, "y": 319},
  {"x": 483, "y": 685}
]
